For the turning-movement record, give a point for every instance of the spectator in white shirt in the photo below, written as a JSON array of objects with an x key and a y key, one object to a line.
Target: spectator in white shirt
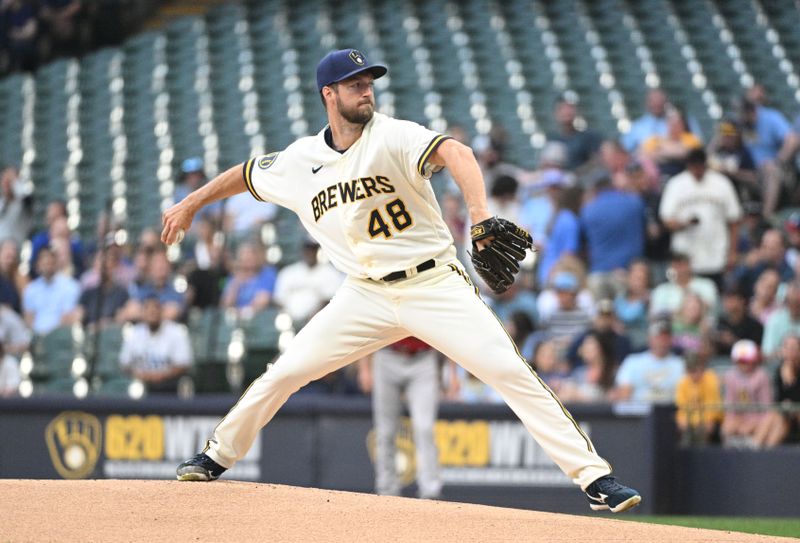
[
  {"x": 304, "y": 287},
  {"x": 701, "y": 208},
  {"x": 52, "y": 299},
  {"x": 157, "y": 351}
]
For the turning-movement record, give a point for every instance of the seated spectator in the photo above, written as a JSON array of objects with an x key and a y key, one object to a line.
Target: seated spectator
[
  {"x": 785, "y": 320},
  {"x": 728, "y": 155},
  {"x": 564, "y": 233},
  {"x": 653, "y": 375},
  {"x": 10, "y": 377},
  {"x": 50, "y": 300},
  {"x": 769, "y": 137},
  {"x": 549, "y": 364},
  {"x": 781, "y": 426},
  {"x": 16, "y": 206},
  {"x": 690, "y": 324},
  {"x": 14, "y": 335},
  {"x": 157, "y": 351},
  {"x": 746, "y": 385},
  {"x": 702, "y": 210},
  {"x": 735, "y": 321},
  {"x": 67, "y": 248},
  {"x": 12, "y": 281},
  {"x": 568, "y": 320},
  {"x": 607, "y": 326},
  {"x": 582, "y": 143},
  {"x": 632, "y": 306},
  {"x": 122, "y": 272},
  {"x": 503, "y": 200},
  {"x": 612, "y": 224},
  {"x": 698, "y": 399},
  {"x": 593, "y": 379},
  {"x": 771, "y": 253},
  {"x": 668, "y": 297},
  {"x": 652, "y": 123},
  {"x": 103, "y": 303},
  {"x": 547, "y": 301},
  {"x": 56, "y": 219},
  {"x": 306, "y": 286},
  {"x": 249, "y": 289},
  {"x": 765, "y": 296},
  {"x": 207, "y": 272},
  {"x": 158, "y": 282},
  {"x": 669, "y": 150}
]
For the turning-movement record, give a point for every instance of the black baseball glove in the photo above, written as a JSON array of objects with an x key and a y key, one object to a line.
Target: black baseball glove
[{"x": 499, "y": 262}]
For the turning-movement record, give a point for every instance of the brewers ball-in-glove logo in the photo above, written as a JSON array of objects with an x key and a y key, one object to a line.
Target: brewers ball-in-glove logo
[
  {"x": 73, "y": 440},
  {"x": 357, "y": 57},
  {"x": 267, "y": 160}
]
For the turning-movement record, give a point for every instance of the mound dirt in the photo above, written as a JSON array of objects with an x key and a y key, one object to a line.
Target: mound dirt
[{"x": 173, "y": 512}]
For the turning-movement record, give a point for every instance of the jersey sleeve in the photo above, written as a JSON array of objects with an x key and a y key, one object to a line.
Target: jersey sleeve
[
  {"x": 415, "y": 144},
  {"x": 267, "y": 178}
]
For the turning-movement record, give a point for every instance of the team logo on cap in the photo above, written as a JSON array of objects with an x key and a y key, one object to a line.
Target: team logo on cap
[{"x": 357, "y": 57}]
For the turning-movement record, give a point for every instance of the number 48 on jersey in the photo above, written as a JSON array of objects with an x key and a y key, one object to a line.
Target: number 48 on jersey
[{"x": 398, "y": 215}]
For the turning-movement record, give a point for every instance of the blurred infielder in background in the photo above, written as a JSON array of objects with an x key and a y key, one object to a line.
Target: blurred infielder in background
[
  {"x": 361, "y": 188},
  {"x": 407, "y": 367}
]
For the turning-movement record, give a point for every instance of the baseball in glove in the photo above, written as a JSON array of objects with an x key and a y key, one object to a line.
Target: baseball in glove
[{"x": 499, "y": 261}]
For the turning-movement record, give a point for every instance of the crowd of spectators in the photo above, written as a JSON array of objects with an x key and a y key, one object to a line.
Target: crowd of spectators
[
  {"x": 666, "y": 269},
  {"x": 33, "y": 32},
  {"x": 665, "y": 272}
]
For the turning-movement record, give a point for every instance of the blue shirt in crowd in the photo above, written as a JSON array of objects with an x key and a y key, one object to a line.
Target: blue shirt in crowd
[
  {"x": 565, "y": 237},
  {"x": 263, "y": 282},
  {"x": 613, "y": 227},
  {"x": 166, "y": 294},
  {"x": 649, "y": 125},
  {"x": 651, "y": 379},
  {"x": 48, "y": 301},
  {"x": 766, "y": 139}
]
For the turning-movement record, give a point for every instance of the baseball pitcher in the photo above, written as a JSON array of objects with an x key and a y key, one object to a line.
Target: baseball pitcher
[{"x": 361, "y": 188}]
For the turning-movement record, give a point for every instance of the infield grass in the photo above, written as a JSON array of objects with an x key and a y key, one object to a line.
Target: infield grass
[{"x": 786, "y": 527}]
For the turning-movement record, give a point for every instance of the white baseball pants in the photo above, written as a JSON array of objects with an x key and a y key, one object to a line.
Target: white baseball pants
[{"x": 439, "y": 306}]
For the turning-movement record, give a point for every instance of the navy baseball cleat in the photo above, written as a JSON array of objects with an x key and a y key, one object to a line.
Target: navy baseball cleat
[
  {"x": 200, "y": 468},
  {"x": 606, "y": 493}
]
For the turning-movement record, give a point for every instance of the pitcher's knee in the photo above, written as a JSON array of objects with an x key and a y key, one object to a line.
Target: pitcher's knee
[{"x": 288, "y": 376}]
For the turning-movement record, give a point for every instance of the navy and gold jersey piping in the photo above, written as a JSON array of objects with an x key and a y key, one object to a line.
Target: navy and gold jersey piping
[
  {"x": 248, "y": 178},
  {"x": 429, "y": 150}
]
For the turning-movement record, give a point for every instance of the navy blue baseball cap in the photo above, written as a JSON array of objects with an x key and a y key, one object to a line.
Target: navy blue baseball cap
[{"x": 339, "y": 65}]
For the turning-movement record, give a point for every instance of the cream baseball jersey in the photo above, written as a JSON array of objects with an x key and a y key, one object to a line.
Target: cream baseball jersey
[{"x": 371, "y": 207}]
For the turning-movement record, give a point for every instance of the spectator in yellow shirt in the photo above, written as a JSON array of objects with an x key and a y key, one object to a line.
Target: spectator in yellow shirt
[
  {"x": 698, "y": 399},
  {"x": 669, "y": 151}
]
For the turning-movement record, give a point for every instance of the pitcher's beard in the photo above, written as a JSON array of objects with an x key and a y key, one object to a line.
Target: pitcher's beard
[{"x": 357, "y": 115}]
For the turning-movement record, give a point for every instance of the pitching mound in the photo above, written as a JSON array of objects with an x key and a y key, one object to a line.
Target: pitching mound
[{"x": 171, "y": 511}]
